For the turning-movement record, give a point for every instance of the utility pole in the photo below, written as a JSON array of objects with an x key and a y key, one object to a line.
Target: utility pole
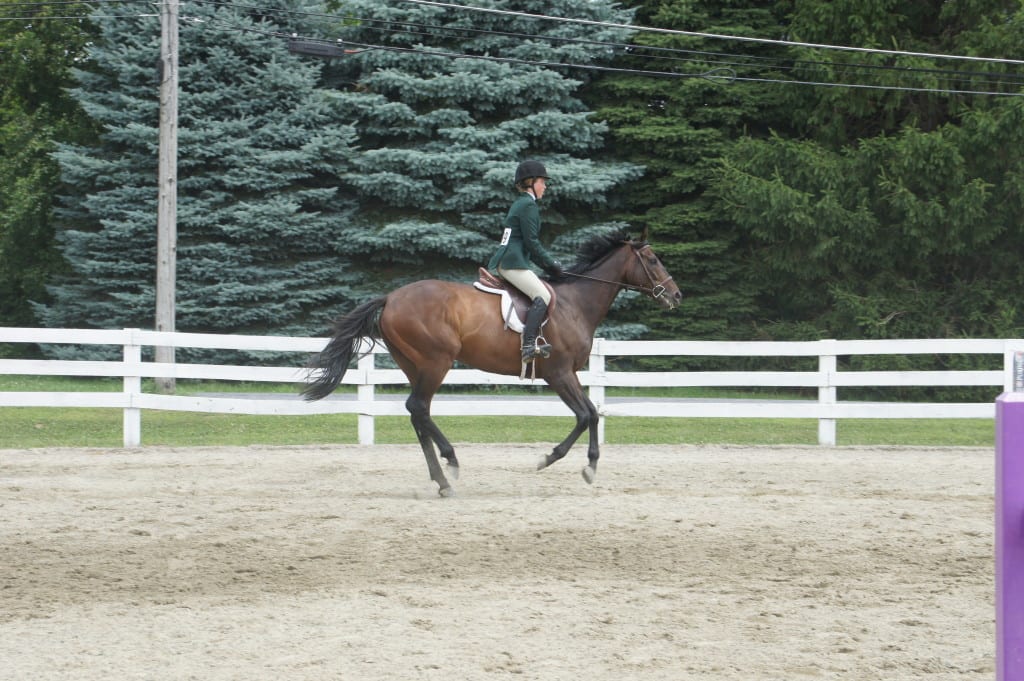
[{"x": 167, "y": 210}]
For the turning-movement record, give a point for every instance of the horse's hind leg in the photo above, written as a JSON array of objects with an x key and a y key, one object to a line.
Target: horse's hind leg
[
  {"x": 425, "y": 355},
  {"x": 423, "y": 423},
  {"x": 444, "y": 447},
  {"x": 428, "y": 434}
]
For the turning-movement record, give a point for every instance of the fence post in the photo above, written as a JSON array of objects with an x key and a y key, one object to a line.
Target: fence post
[
  {"x": 827, "y": 366},
  {"x": 1013, "y": 379},
  {"x": 365, "y": 395},
  {"x": 132, "y": 354},
  {"x": 597, "y": 373}
]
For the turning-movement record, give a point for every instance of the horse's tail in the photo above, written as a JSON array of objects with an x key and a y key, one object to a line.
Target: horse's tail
[{"x": 333, "y": 360}]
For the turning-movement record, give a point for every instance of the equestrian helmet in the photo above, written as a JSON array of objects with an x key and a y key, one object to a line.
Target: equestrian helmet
[{"x": 528, "y": 169}]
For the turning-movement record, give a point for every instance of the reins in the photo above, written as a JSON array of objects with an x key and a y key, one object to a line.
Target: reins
[
  {"x": 655, "y": 290},
  {"x": 629, "y": 287}
]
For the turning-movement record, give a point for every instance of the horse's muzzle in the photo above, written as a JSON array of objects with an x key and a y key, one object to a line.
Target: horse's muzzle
[{"x": 667, "y": 300}]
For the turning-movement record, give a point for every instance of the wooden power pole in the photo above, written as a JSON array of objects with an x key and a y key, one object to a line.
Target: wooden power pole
[{"x": 167, "y": 215}]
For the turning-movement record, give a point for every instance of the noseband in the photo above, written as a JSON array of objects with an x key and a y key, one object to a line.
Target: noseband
[{"x": 655, "y": 290}]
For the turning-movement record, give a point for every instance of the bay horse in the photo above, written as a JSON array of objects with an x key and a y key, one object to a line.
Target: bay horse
[{"x": 428, "y": 325}]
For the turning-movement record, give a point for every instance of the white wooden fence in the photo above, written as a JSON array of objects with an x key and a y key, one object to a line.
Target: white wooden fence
[{"x": 827, "y": 409}]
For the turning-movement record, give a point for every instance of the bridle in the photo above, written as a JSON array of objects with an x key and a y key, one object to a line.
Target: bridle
[{"x": 655, "y": 290}]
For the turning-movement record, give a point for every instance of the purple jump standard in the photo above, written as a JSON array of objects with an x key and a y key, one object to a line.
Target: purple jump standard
[{"x": 1010, "y": 537}]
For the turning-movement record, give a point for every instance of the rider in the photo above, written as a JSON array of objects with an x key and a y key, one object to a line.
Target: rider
[{"x": 520, "y": 245}]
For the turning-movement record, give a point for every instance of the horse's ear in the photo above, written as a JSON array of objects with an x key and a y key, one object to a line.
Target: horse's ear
[{"x": 643, "y": 235}]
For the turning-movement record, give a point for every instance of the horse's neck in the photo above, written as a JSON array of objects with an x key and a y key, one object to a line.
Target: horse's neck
[{"x": 592, "y": 299}]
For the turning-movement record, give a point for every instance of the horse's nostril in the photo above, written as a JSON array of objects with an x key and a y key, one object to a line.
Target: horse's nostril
[{"x": 679, "y": 295}]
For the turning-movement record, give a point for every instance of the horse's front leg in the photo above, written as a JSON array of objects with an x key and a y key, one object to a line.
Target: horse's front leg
[{"x": 569, "y": 389}]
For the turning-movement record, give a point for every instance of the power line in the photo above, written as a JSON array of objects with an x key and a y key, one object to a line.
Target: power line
[
  {"x": 81, "y": 17},
  {"x": 713, "y": 75},
  {"x": 589, "y": 22},
  {"x": 406, "y": 26},
  {"x": 715, "y": 59},
  {"x": 864, "y": 86},
  {"x": 723, "y": 65},
  {"x": 455, "y": 32},
  {"x": 83, "y": 3},
  {"x": 717, "y": 36}
]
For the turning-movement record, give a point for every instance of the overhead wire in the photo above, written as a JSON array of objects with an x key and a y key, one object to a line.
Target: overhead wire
[
  {"x": 712, "y": 75},
  {"x": 709, "y": 75},
  {"x": 57, "y": 3},
  {"x": 715, "y": 58},
  {"x": 718, "y": 72},
  {"x": 27, "y": 6},
  {"x": 717, "y": 36},
  {"x": 630, "y": 27},
  {"x": 716, "y": 66},
  {"x": 81, "y": 17},
  {"x": 719, "y": 60},
  {"x": 461, "y": 31}
]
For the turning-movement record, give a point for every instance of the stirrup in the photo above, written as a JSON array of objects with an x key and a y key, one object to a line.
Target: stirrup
[{"x": 541, "y": 349}]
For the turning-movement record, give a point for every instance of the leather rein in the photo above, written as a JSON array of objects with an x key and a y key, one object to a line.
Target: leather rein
[{"x": 655, "y": 290}]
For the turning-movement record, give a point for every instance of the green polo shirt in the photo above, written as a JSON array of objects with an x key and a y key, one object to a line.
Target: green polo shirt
[{"x": 520, "y": 242}]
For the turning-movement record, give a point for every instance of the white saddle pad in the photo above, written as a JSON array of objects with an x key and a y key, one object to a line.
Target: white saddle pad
[{"x": 508, "y": 311}]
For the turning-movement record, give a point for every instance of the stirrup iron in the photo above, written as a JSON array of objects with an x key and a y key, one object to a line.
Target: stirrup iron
[{"x": 540, "y": 350}]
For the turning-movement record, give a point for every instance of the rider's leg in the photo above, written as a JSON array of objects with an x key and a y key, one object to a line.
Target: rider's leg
[
  {"x": 530, "y": 284},
  {"x": 531, "y": 348}
]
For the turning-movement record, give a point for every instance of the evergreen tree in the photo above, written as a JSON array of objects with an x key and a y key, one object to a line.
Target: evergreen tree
[
  {"x": 36, "y": 55},
  {"x": 890, "y": 213},
  {"x": 679, "y": 128},
  {"x": 440, "y": 137},
  {"x": 261, "y": 147}
]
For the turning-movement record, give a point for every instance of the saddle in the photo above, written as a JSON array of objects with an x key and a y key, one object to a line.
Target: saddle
[{"x": 514, "y": 302}]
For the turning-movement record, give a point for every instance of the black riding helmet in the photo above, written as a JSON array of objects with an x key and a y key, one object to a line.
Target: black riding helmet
[{"x": 528, "y": 169}]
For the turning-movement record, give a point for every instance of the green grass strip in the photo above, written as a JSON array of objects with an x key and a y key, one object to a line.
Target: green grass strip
[{"x": 31, "y": 427}]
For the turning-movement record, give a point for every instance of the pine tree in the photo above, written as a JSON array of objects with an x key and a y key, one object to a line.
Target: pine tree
[
  {"x": 679, "y": 127},
  {"x": 440, "y": 137},
  {"x": 261, "y": 147},
  {"x": 890, "y": 213}
]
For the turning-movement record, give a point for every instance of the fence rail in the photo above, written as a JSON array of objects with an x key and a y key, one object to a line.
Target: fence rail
[{"x": 827, "y": 409}]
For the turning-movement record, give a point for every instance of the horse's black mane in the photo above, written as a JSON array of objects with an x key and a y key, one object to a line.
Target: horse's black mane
[{"x": 595, "y": 249}]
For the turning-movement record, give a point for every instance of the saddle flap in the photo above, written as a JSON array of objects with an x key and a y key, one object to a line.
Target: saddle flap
[{"x": 514, "y": 302}]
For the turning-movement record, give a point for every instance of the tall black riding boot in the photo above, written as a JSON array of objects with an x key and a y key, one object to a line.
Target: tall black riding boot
[{"x": 534, "y": 316}]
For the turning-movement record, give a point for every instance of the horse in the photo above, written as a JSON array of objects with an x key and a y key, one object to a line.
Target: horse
[{"x": 428, "y": 325}]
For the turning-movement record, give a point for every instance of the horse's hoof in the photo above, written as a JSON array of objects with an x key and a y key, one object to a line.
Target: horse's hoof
[
  {"x": 588, "y": 474},
  {"x": 446, "y": 492},
  {"x": 453, "y": 472},
  {"x": 542, "y": 462}
]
